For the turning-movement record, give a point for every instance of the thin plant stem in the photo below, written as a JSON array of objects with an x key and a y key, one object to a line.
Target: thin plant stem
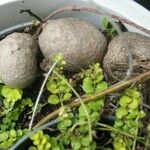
[
  {"x": 75, "y": 125},
  {"x": 40, "y": 93},
  {"x": 110, "y": 128},
  {"x": 135, "y": 140},
  {"x": 80, "y": 100},
  {"x": 31, "y": 14}
]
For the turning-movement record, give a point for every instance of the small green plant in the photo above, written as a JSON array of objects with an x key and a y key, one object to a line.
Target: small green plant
[
  {"x": 128, "y": 117},
  {"x": 10, "y": 119},
  {"x": 73, "y": 125},
  {"x": 74, "y": 128},
  {"x": 43, "y": 141},
  {"x": 8, "y": 132},
  {"x": 11, "y": 96},
  {"x": 8, "y": 138},
  {"x": 110, "y": 30},
  {"x": 60, "y": 92},
  {"x": 13, "y": 105},
  {"x": 93, "y": 82}
]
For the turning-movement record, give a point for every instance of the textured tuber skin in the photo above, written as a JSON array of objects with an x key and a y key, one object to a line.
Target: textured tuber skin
[
  {"x": 18, "y": 62},
  {"x": 116, "y": 59},
  {"x": 79, "y": 42}
]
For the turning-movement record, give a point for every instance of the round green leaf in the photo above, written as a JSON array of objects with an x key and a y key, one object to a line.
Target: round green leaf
[
  {"x": 82, "y": 112},
  {"x": 88, "y": 85},
  {"x": 3, "y": 136},
  {"x": 76, "y": 144},
  {"x": 101, "y": 86},
  {"x": 95, "y": 116},
  {"x": 85, "y": 141},
  {"x": 125, "y": 100},
  {"x": 98, "y": 78},
  {"x": 118, "y": 123},
  {"x": 67, "y": 122},
  {"x": 61, "y": 127},
  {"x": 136, "y": 94},
  {"x": 64, "y": 88},
  {"x": 32, "y": 148},
  {"x": 94, "y": 106},
  {"x": 11, "y": 94},
  {"x": 67, "y": 96},
  {"x": 52, "y": 87},
  {"x": 141, "y": 114},
  {"x": 132, "y": 114},
  {"x": 12, "y": 133},
  {"x": 134, "y": 104},
  {"x": 48, "y": 145},
  {"x": 121, "y": 112},
  {"x": 131, "y": 123},
  {"x": 53, "y": 99}
]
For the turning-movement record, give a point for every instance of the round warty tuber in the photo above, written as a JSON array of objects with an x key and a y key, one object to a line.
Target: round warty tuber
[
  {"x": 18, "y": 62},
  {"x": 116, "y": 61},
  {"x": 79, "y": 42}
]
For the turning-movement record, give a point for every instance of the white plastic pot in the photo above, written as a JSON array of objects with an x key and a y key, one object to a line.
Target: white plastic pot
[{"x": 10, "y": 11}]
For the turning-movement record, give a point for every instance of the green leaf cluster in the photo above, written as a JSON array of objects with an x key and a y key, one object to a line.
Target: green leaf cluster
[
  {"x": 128, "y": 117},
  {"x": 13, "y": 107},
  {"x": 93, "y": 80},
  {"x": 59, "y": 91},
  {"x": 8, "y": 138},
  {"x": 69, "y": 127},
  {"x": 110, "y": 30},
  {"x": 10, "y": 119},
  {"x": 43, "y": 141},
  {"x": 11, "y": 96},
  {"x": 8, "y": 134},
  {"x": 75, "y": 130}
]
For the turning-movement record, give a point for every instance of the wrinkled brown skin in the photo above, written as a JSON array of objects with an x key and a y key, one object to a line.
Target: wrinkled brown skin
[
  {"x": 116, "y": 60},
  {"x": 18, "y": 62},
  {"x": 79, "y": 42}
]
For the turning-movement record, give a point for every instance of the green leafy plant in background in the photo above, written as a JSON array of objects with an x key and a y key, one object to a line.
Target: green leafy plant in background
[
  {"x": 128, "y": 119},
  {"x": 11, "y": 96},
  {"x": 8, "y": 132},
  {"x": 10, "y": 119},
  {"x": 8, "y": 138},
  {"x": 109, "y": 29},
  {"x": 13, "y": 105}
]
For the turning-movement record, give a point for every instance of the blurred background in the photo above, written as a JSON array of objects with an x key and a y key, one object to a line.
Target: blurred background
[{"x": 145, "y": 3}]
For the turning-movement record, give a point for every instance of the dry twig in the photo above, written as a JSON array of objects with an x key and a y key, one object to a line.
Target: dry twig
[{"x": 91, "y": 10}]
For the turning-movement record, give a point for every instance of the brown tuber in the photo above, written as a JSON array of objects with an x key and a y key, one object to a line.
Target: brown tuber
[
  {"x": 116, "y": 60},
  {"x": 18, "y": 66},
  {"x": 79, "y": 42}
]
